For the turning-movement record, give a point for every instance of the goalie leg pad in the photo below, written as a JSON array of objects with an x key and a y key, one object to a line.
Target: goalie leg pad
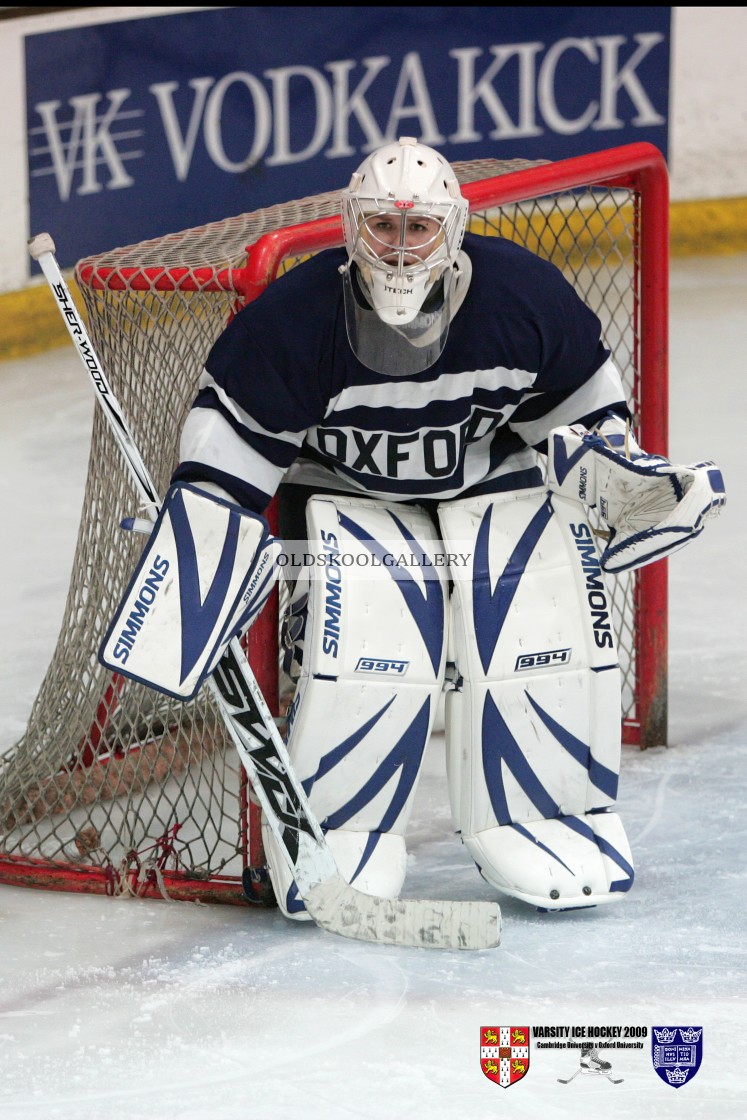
[
  {"x": 533, "y": 725},
  {"x": 372, "y": 672},
  {"x": 205, "y": 573}
]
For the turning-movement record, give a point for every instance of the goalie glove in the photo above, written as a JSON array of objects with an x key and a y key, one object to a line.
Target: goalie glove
[
  {"x": 206, "y": 572},
  {"x": 652, "y": 508}
]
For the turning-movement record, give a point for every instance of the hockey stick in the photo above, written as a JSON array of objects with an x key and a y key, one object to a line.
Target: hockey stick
[
  {"x": 332, "y": 903},
  {"x": 567, "y": 1080}
]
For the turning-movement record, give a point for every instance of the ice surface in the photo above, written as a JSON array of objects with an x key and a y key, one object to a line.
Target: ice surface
[{"x": 124, "y": 1010}]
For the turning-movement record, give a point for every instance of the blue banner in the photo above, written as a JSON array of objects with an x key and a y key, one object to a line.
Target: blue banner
[{"x": 148, "y": 126}]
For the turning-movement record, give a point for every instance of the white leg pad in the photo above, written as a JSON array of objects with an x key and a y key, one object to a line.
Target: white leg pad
[
  {"x": 373, "y": 664},
  {"x": 533, "y": 729}
]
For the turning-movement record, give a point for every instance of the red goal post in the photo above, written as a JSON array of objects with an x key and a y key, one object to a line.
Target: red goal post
[{"x": 114, "y": 789}]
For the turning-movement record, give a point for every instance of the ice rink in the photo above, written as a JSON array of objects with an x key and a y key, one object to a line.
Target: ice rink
[{"x": 131, "y": 1010}]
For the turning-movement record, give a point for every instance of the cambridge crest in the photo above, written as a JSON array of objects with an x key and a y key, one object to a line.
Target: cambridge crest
[
  {"x": 504, "y": 1054},
  {"x": 676, "y": 1053}
]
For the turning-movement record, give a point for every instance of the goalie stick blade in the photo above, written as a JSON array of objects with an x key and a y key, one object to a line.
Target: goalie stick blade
[{"x": 336, "y": 906}]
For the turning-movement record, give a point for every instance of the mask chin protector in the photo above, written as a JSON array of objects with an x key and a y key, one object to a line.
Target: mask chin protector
[{"x": 388, "y": 344}]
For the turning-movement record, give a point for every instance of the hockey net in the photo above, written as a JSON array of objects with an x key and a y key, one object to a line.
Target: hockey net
[{"x": 114, "y": 788}]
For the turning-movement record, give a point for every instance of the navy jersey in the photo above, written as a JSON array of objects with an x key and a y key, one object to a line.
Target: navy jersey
[{"x": 284, "y": 396}]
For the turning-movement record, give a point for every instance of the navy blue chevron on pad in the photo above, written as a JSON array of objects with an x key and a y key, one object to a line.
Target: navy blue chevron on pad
[
  {"x": 294, "y": 904},
  {"x": 368, "y": 851},
  {"x": 490, "y": 608},
  {"x": 405, "y": 757},
  {"x": 565, "y": 463},
  {"x": 603, "y": 778},
  {"x": 585, "y": 830},
  {"x": 426, "y": 605},
  {"x": 329, "y": 760},
  {"x": 199, "y": 616},
  {"x": 522, "y": 830},
  {"x": 499, "y": 747}
]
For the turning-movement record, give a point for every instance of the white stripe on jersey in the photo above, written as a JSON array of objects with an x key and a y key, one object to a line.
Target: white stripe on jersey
[
  {"x": 244, "y": 418},
  {"x": 594, "y": 394},
  {"x": 411, "y": 395},
  {"x": 208, "y": 438}
]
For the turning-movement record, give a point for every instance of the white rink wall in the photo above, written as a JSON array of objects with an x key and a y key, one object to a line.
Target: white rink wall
[{"x": 708, "y": 126}]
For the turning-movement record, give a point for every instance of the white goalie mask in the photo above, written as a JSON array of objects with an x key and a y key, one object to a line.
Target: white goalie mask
[{"x": 404, "y": 218}]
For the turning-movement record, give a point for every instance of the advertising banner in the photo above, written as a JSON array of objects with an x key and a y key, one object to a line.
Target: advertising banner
[{"x": 144, "y": 127}]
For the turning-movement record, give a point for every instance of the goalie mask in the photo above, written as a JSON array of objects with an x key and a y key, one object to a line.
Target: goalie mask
[{"x": 404, "y": 218}]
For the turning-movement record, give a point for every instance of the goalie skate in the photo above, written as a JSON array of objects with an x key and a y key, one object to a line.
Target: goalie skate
[{"x": 590, "y": 1062}]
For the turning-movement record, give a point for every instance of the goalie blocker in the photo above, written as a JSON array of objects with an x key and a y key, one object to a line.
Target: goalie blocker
[{"x": 206, "y": 572}]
